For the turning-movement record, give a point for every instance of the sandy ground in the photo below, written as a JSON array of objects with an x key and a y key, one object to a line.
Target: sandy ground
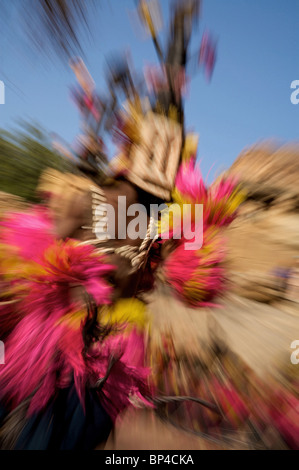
[{"x": 260, "y": 334}]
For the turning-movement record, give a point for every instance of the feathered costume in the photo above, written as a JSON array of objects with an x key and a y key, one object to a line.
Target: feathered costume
[
  {"x": 81, "y": 343},
  {"x": 51, "y": 349}
]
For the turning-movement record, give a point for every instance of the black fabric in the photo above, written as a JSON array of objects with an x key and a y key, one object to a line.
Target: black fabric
[{"x": 64, "y": 425}]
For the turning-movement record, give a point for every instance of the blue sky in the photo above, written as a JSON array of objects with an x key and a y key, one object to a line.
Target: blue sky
[{"x": 248, "y": 99}]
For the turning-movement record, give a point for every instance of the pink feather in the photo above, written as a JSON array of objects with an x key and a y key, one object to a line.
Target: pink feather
[{"x": 30, "y": 232}]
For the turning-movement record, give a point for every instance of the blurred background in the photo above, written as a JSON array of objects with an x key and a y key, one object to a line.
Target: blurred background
[
  {"x": 247, "y": 126},
  {"x": 247, "y": 100}
]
